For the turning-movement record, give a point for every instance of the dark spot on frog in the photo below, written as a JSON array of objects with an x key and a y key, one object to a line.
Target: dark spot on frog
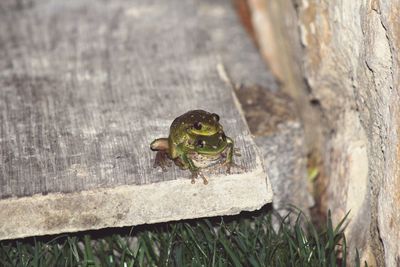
[{"x": 201, "y": 143}]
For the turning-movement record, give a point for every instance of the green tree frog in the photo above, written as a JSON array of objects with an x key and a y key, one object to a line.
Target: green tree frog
[{"x": 196, "y": 140}]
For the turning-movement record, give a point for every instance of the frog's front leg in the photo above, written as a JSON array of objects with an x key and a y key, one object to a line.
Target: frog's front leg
[
  {"x": 229, "y": 157},
  {"x": 195, "y": 171},
  {"x": 185, "y": 162}
]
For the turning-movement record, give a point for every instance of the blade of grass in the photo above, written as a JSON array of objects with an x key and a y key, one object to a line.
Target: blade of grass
[
  {"x": 344, "y": 252},
  {"x": 357, "y": 259},
  {"x": 229, "y": 251},
  {"x": 148, "y": 248},
  {"x": 190, "y": 232},
  {"x": 88, "y": 254},
  {"x": 338, "y": 228}
]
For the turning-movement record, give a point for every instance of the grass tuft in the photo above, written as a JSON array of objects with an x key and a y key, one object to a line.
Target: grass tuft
[{"x": 254, "y": 239}]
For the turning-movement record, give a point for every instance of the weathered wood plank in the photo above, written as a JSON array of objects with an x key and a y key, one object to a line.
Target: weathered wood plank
[{"x": 85, "y": 86}]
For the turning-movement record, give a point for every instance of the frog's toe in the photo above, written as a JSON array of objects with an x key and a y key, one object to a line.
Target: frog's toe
[
  {"x": 228, "y": 168},
  {"x": 196, "y": 174},
  {"x": 194, "y": 177},
  {"x": 231, "y": 165},
  {"x": 162, "y": 161},
  {"x": 205, "y": 181},
  {"x": 163, "y": 168},
  {"x": 156, "y": 164},
  {"x": 236, "y": 152}
]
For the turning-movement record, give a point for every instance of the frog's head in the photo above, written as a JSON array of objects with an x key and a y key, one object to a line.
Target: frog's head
[
  {"x": 210, "y": 145},
  {"x": 206, "y": 125}
]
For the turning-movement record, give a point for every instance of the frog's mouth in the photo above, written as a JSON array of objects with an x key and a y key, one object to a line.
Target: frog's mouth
[
  {"x": 211, "y": 145},
  {"x": 206, "y": 131},
  {"x": 212, "y": 150}
]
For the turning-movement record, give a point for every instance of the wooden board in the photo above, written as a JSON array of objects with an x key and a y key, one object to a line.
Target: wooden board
[{"x": 85, "y": 86}]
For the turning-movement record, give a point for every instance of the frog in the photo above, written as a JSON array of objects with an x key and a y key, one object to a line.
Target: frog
[{"x": 196, "y": 141}]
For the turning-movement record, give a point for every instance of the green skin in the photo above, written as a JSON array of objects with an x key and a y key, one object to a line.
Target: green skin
[{"x": 194, "y": 133}]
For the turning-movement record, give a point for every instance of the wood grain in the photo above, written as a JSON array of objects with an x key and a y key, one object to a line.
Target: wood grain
[{"x": 86, "y": 86}]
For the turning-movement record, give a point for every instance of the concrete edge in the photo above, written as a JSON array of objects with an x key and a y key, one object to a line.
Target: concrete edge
[{"x": 133, "y": 204}]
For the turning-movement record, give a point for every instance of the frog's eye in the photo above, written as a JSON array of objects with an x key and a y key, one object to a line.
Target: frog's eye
[
  {"x": 197, "y": 125},
  {"x": 215, "y": 116},
  {"x": 201, "y": 143}
]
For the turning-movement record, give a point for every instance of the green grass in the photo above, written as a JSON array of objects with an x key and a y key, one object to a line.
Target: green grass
[{"x": 245, "y": 240}]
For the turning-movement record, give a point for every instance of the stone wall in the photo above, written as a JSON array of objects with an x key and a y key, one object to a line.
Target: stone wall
[{"x": 344, "y": 57}]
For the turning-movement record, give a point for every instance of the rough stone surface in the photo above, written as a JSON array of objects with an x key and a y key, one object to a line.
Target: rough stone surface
[
  {"x": 350, "y": 62},
  {"x": 85, "y": 86},
  {"x": 275, "y": 22},
  {"x": 279, "y": 134}
]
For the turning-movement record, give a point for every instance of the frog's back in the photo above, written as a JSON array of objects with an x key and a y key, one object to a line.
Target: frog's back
[
  {"x": 179, "y": 127},
  {"x": 187, "y": 119}
]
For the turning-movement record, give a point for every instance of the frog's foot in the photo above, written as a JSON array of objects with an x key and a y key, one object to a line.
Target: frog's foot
[
  {"x": 196, "y": 174},
  {"x": 236, "y": 152},
  {"x": 162, "y": 160},
  {"x": 181, "y": 164},
  {"x": 229, "y": 165}
]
